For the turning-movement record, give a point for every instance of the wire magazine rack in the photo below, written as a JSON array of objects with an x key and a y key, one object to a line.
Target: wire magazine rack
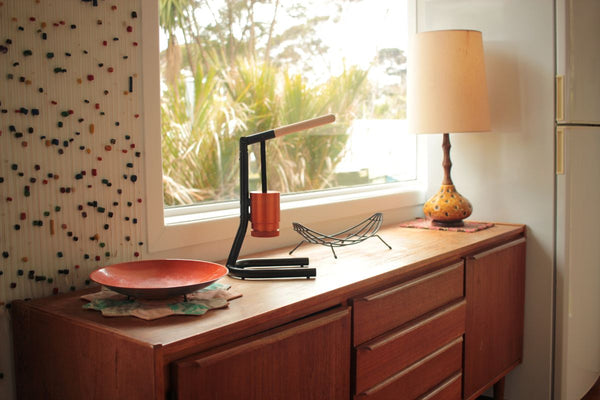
[{"x": 354, "y": 235}]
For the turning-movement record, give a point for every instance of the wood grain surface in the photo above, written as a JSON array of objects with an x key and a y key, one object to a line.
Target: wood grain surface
[
  {"x": 309, "y": 359},
  {"x": 495, "y": 290},
  {"x": 151, "y": 346}
]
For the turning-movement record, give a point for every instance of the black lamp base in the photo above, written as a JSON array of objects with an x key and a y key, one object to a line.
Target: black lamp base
[{"x": 269, "y": 268}]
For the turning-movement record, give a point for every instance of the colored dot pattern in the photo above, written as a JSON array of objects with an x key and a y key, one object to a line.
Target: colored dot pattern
[
  {"x": 70, "y": 130},
  {"x": 70, "y": 169}
]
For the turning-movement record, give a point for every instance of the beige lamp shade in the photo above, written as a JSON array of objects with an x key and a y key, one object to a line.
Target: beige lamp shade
[{"x": 447, "y": 91}]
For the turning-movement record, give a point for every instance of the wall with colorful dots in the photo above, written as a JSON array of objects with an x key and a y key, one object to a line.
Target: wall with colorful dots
[{"x": 71, "y": 181}]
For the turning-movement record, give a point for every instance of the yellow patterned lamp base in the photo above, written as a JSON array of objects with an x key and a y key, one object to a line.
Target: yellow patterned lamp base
[{"x": 447, "y": 207}]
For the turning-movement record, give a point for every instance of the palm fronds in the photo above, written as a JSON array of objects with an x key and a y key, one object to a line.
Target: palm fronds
[{"x": 231, "y": 94}]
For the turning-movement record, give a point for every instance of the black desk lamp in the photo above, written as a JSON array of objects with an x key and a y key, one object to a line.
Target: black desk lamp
[{"x": 262, "y": 209}]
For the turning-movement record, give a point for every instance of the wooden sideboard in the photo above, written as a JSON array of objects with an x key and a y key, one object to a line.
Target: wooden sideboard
[{"x": 440, "y": 316}]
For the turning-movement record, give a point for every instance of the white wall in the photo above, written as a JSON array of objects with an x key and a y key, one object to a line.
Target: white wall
[{"x": 508, "y": 174}]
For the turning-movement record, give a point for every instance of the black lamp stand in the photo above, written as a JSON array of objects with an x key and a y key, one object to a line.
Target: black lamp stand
[{"x": 259, "y": 268}]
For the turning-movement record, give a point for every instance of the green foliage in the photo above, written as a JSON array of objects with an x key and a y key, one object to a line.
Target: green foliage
[
  {"x": 313, "y": 155},
  {"x": 238, "y": 87}
]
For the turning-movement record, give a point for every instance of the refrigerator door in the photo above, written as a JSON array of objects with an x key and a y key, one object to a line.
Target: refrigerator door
[
  {"x": 578, "y": 61},
  {"x": 578, "y": 262}
]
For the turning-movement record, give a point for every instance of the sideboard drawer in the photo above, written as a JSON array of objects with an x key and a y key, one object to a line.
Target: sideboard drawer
[
  {"x": 389, "y": 354},
  {"x": 381, "y": 311},
  {"x": 451, "y": 389},
  {"x": 421, "y": 377}
]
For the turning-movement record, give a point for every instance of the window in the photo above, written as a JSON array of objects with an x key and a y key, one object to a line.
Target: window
[{"x": 230, "y": 68}]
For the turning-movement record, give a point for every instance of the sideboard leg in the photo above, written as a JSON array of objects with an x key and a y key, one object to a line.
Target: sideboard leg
[{"x": 499, "y": 389}]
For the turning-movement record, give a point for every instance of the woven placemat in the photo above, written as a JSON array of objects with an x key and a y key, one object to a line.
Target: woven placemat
[
  {"x": 113, "y": 304},
  {"x": 470, "y": 226}
]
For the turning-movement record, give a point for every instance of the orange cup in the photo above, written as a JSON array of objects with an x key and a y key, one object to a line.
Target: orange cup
[{"x": 264, "y": 214}]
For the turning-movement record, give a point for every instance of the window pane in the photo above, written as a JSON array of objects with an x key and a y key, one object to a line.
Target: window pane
[{"x": 231, "y": 68}]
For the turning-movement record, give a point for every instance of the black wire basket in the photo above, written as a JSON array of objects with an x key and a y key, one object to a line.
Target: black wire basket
[{"x": 353, "y": 235}]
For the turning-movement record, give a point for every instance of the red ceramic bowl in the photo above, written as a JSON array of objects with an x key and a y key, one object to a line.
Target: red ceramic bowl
[{"x": 158, "y": 279}]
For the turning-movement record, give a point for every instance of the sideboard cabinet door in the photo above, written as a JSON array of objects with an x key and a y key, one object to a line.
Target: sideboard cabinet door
[
  {"x": 495, "y": 292},
  {"x": 307, "y": 359}
]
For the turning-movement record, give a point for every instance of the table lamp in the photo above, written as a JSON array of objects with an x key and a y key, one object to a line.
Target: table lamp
[{"x": 447, "y": 93}]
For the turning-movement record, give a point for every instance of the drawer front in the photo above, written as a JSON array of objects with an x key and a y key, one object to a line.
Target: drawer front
[
  {"x": 383, "y": 357},
  {"x": 382, "y": 311},
  {"x": 420, "y": 377},
  {"x": 449, "y": 390}
]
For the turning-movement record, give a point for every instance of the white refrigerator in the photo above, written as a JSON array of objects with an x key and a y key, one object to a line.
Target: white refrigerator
[{"x": 577, "y": 307}]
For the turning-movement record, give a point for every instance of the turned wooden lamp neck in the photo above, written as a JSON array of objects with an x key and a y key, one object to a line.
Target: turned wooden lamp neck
[{"x": 446, "y": 163}]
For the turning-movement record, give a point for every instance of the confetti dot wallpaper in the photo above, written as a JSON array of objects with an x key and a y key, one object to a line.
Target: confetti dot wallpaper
[{"x": 71, "y": 177}]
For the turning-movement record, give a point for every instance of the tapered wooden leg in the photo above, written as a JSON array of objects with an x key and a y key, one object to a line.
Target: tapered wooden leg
[{"x": 499, "y": 389}]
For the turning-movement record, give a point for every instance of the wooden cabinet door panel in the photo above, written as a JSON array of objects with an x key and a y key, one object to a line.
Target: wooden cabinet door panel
[
  {"x": 381, "y": 311},
  {"x": 308, "y": 359},
  {"x": 420, "y": 377},
  {"x": 495, "y": 293},
  {"x": 57, "y": 359},
  {"x": 383, "y": 357}
]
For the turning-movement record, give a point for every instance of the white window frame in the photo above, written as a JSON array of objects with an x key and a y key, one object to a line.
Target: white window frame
[{"x": 214, "y": 226}]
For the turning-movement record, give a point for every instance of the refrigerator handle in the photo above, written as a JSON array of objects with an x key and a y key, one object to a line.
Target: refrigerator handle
[
  {"x": 560, "y": 98},
  {"x": 560, "y": 150}
]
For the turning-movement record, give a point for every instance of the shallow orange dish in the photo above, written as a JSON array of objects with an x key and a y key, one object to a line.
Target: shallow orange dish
[{"x": 158, "y": 279}]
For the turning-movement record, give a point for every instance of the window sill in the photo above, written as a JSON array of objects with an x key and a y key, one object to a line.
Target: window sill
[
  {"x": 341, "y": 208},
  {"x": 209, "y": 235}
]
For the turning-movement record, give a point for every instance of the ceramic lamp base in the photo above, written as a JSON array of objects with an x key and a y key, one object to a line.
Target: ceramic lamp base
[{"x": 447, "y": 207}]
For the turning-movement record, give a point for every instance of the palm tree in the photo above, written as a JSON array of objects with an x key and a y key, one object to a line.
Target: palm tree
[{"x": 235, "y": 93}]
